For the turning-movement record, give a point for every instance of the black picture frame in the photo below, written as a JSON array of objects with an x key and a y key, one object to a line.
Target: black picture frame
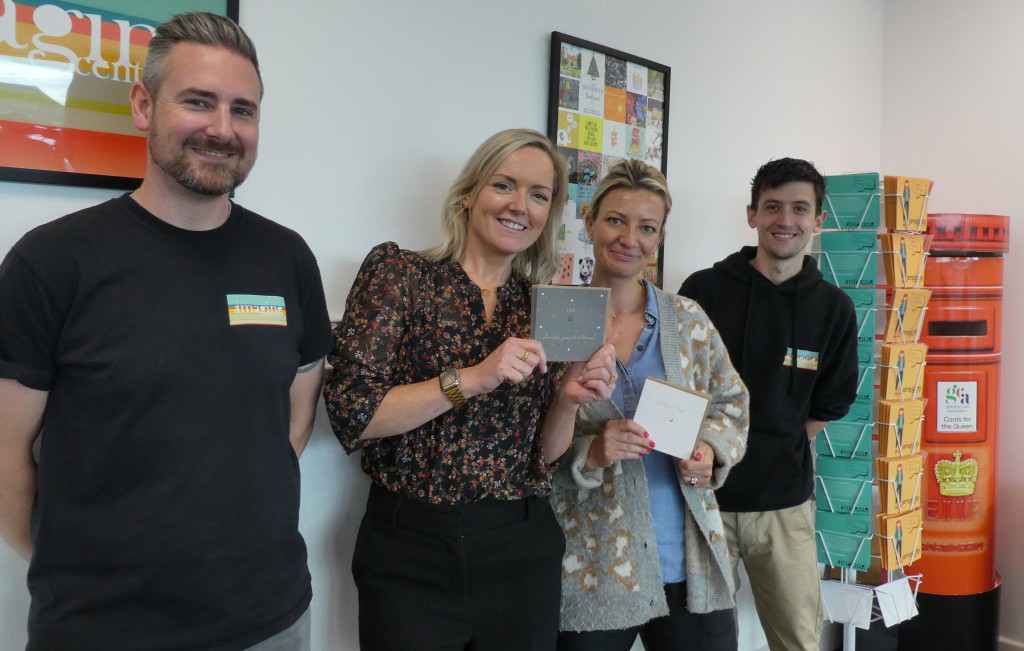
[{"x": 581, "y": 110}]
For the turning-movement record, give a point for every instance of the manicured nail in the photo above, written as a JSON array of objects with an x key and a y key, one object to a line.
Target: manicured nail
[
  {"x": 646, "y": 435},
  {"x": 652, "y": 444},
  {"x": 698, "y": 456}
]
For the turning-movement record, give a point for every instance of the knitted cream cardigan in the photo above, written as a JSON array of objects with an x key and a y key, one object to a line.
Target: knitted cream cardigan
[{"x": 610, "y": 574}]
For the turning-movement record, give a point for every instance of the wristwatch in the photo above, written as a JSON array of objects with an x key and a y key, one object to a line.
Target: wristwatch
[{"x": 450, "y": 385}]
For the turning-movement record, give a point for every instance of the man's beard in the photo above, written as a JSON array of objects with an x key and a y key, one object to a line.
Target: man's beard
[{"x": 203, "y": 177}]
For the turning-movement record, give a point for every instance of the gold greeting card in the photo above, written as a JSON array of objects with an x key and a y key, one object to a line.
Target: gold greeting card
[
  {"x": 905, "y": 315},
  {"x": 901, "y": 544},
  {"x": 899, "y": 486},
  {"x": 902, "y": 371},
  {"x": 899, "y": 427}
]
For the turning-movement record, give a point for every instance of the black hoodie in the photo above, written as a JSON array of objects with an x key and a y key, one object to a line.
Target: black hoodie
[{"x": 759, "y": 322}]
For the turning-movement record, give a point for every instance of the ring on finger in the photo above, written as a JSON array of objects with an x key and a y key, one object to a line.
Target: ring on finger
[
  {"x": 525, "y": 355},
  {"x": 693, "y": 481},
  {"x": 612, "y": 379}
]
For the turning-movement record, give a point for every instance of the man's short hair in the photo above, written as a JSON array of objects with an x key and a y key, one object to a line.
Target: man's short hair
[
  {"x": 776, "y": 173},
  {"x": 200, "y": 27}
]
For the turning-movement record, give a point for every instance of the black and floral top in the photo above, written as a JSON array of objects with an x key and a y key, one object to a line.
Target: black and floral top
[{"x": 407, "y": 320}]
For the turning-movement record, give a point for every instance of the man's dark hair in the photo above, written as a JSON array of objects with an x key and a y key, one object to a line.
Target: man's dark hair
[
  {"x": 200, "y": 27},
  {"x": 776, "y": 173}
]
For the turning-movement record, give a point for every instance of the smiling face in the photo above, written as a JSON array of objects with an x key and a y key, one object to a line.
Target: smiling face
[
  {"x": 626, "y": 232},
  {"x": 785, "y": 220},
  {"x": 509, "y": 212},
  {"x": 203, "y": 124}
]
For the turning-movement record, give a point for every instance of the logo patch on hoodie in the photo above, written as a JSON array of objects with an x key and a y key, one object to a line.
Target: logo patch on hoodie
[{"x": 805, "y": 359}]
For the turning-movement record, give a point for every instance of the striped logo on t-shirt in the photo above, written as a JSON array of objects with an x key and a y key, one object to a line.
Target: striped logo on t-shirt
[{"x": 250, "y": 309}]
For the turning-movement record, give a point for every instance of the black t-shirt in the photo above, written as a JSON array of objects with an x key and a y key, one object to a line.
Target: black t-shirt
[{"x": 166, "y": 515}]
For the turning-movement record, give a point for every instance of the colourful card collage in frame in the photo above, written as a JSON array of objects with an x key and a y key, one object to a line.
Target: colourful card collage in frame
[{"x": 609, "y": 109}]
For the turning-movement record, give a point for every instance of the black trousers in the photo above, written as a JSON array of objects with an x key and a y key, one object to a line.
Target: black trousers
[
  {"x": 484, "y": 576},
  {"x": 680, "y": 629}
]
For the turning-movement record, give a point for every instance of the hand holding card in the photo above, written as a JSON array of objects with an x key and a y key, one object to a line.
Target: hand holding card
[{"x": 673, "y": 415}]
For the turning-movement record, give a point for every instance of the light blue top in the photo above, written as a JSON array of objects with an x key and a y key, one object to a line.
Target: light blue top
[{"x": 666, "y": 499}]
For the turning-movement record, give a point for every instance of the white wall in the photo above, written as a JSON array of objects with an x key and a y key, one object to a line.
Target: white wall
[
  {"x": 953, "y": 100},
  {"x": 371, "y": 108},
  {"x": 409, "y": 93}
]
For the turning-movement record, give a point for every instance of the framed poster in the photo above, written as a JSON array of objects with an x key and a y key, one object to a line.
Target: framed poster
[
  {"x": 65, "y": 72},
  {"x": 603, "y": 106}
]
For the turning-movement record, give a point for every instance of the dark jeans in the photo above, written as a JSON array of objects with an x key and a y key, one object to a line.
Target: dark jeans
[
  {"x": 479, "y": 577},
  {"x": 680, "y": 629}
]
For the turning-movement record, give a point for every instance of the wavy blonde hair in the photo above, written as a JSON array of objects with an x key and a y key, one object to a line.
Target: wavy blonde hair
[{"x": 537, "y": 263}]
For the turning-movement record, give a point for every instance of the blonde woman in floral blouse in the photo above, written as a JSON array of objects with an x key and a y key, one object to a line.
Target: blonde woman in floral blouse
[
  {"x": 458, "y": 415},
  {"x": 645, "y": 548}
]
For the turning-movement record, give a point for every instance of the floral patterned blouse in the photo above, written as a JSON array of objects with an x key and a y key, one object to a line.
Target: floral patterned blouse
[{"x": 407, "y": 320}]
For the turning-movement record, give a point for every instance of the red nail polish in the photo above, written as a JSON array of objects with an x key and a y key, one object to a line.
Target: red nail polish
[
  {"x": 646, "y": 435},
  {"x": 698, "y": 456},
  {"x": 652, "y": 444}
]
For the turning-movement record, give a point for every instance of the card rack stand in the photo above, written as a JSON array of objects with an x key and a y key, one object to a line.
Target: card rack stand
[
  {"x": 832, "y": 213},
  {"x": 899, "y": 378},
  {"x": 868, "y": 260},
  {"x": 899, "y": 324},
  {"x": 864, "y": 373},
  {"x": 895, "y": 549},
  {"x": 865, "y": 431},
  {"x": 916, "y": 578},
  {"x": 828, "y": 498},
  {"x": 849, "y": 633},
  {"x": 891, "y": 576},
  {"x": 864, "y": 321},
  {"x": 917, "y": 490},
  {"x": 849, "y": 579},
  {"x": 865, "y": 540},
  {"x": 917, "y": 438},
  {"x": 847, "y": 265},
  {"x": 904, "y": 209},
  {"x": 920, "y": 274}
]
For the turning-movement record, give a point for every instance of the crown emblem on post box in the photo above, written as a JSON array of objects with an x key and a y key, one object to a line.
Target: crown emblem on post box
[{"x": 956, "y": 478}]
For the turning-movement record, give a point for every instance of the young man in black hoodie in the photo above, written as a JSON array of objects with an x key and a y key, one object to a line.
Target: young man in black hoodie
[{"x": 793, "y": 338}]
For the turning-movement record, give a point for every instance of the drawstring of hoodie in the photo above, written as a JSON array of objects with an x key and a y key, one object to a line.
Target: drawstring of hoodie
[
  {"x": 746, "y": 326},
  {"x": 792, "y": 351},
  {"x": 792, "y": 335}
]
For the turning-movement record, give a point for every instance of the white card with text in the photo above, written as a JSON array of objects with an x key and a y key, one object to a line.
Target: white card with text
[{"x": 672, "y": 415}]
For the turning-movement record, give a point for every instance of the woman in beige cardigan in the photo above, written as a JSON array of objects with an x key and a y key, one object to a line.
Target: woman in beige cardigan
[{"x": 645, "y": 551}]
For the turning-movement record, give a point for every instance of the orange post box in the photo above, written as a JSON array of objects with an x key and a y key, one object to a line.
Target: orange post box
[{"x": 963, "y": 331}]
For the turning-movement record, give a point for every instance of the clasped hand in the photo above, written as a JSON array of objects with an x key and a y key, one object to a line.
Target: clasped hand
[
  {"x": 513, "y": 361},
  {"x": 516, "y": 359},
  {"x": 593, "y": 380},
  {"x": 626, "y": 439},
  {"x": 699, "y": 466}
]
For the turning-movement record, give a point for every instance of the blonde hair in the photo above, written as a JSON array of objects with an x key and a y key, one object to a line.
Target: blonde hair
[
  {"x": 537, "y": 263},
  {"x": 631, "y": 174}
]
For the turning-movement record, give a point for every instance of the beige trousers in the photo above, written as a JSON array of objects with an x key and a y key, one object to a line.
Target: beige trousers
[{"x": 779, "y": 555}]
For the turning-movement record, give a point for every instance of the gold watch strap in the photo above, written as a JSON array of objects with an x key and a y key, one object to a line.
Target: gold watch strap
[
  {"x": 455, "y": 395},
  {"x": 453, "y": 391}
]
